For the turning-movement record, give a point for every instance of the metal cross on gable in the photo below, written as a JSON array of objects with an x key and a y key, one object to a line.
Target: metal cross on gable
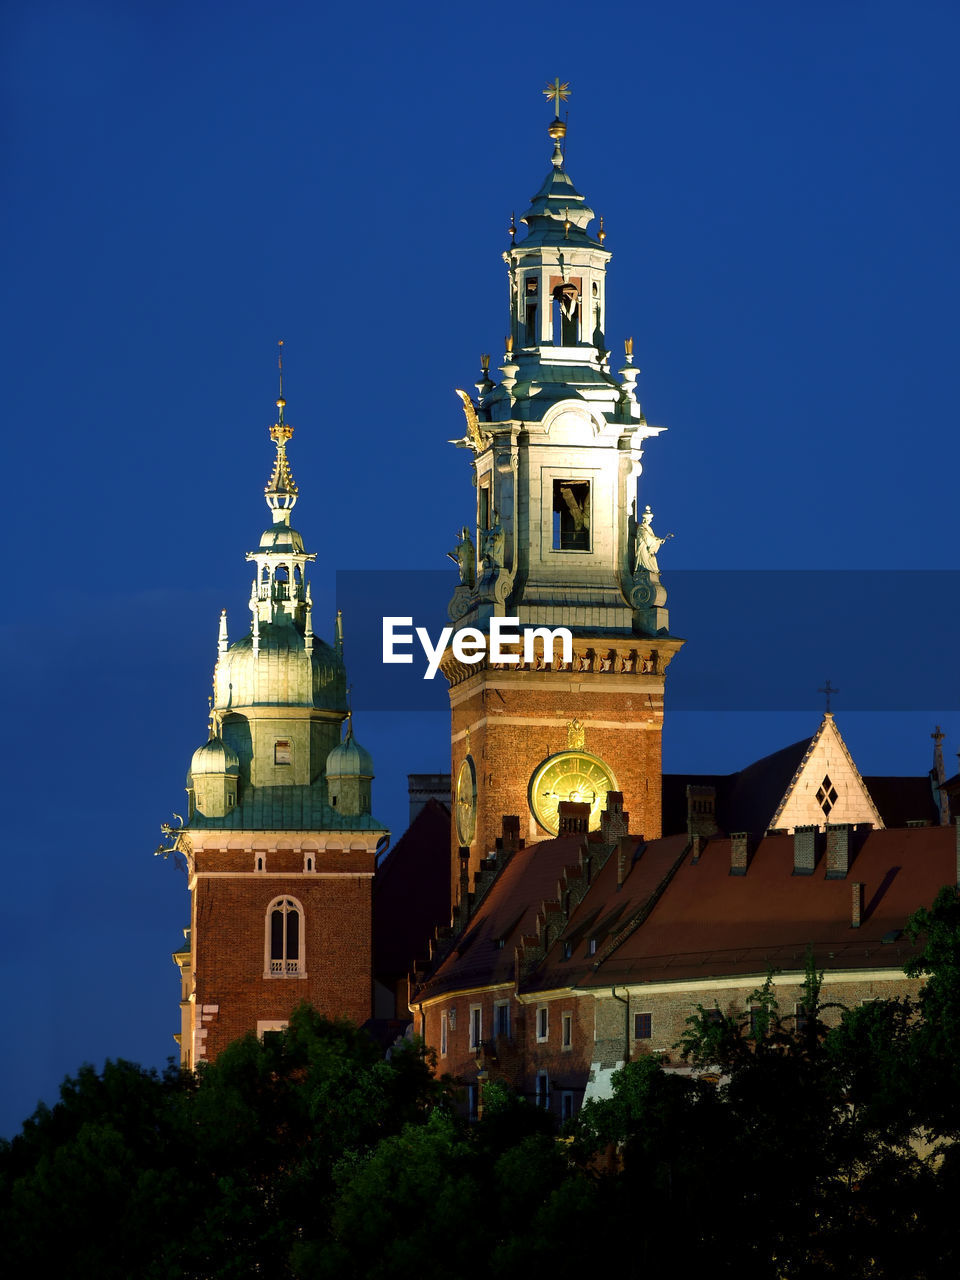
[{"x": 828, "y": 692}]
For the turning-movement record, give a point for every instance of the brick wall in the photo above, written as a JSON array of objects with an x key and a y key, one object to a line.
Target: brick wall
[{"x": 229, "y": 942}]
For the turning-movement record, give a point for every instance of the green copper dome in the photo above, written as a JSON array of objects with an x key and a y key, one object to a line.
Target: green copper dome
[
  {"x": 214, "y": 756},
  {"x": 276, "y": 667},
  {"x": 349, "y": 760}
]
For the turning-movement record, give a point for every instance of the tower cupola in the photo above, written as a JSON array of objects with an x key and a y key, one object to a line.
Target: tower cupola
[{"x": 349, "y": 773}]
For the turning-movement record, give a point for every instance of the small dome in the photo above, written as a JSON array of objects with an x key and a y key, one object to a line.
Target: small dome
[
  {"x": 214, "y": 757},
  {"x": 349, "y": 760}
]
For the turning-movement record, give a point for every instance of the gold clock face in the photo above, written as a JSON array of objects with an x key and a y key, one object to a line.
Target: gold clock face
[
  {"x": 570, "y": 775},
  {"x": 465, "y": 801}
]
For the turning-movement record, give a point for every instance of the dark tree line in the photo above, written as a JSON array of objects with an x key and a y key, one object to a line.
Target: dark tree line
[{"x": 796, "y": 1149}]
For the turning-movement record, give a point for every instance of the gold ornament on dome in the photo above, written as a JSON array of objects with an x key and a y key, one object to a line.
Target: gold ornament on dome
[{"x": 475, "y": 439}]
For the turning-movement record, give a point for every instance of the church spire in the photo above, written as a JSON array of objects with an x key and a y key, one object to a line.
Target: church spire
[
  {"x": 281, "y": 489},
  {"x": 280, "y": 588}
]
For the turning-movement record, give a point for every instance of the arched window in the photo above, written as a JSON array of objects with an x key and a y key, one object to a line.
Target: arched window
[{"x": 284, "y": 940}]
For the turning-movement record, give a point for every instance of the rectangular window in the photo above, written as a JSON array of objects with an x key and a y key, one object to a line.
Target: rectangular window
[
  {"x": 501, "y": 1019},
  {"x": 543, "y": 1089},
  {"x": 476, "y": 1027},
  {"x": 566, "y": 1105},
  {"x": 282, "y": 753},
  {"x": 543, "y": 1024},
  {"x": 472, "y": 1099},
  {"x": 566, "y": 1024},
  {"x": 443, "y": 1035},
  {"x": 642, "y": 1026},
  {"x": 592, "y": 947},
  {"x": 484, "y": 510},
  {"x": 803, "y": 1020},
  {"x": 755, "y": 1015},
  {"x": 531, "y": 326},
  {"x": 571, "y": 515}
]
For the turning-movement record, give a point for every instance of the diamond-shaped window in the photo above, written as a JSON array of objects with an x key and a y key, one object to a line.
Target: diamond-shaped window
[{"x": 827, "y": 795}]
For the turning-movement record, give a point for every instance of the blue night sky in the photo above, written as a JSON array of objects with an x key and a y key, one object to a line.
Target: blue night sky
[{"x": 187, "y": 183}]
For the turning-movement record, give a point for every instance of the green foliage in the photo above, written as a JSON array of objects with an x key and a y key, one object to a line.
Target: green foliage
[{"x": 792, "y": 1148}]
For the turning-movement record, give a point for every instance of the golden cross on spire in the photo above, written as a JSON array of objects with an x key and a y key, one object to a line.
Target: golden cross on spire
[{"x": 558, "y": 92}]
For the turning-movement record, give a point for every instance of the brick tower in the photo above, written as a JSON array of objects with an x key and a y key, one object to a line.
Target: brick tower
[
  {"x": 280, "y": 844},
  {"x": 555, "y": 451}
]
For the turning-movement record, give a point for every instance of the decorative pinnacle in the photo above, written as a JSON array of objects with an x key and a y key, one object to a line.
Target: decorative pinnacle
[
  {"x": 558, "y": 93},
  {"x": 513, "y": 228},
  {"x": 601, "y": 234},
  {"x": 281, "y": 489}
]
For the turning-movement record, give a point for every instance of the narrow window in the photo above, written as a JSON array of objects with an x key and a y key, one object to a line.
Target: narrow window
[
  {"x": 484, "y": 512},
  {"x": 567, "y": 950},
  {"x": 566, "y": 1105},
  {"x": 502, "y": 1019},
  {"x": 283, "y": 938},
  {"x": 804, "y": 1019},
  {"x": 543, "y": 1024},
  {"x": 282, "y": 753},
  {"x": 443, "y": 1035},
  {"x": 543, "y": 1089},
  {"x": 571, "y": 515},
  {"x": 281, "y": 582},
  {"x": 566, "y": 1024},
  {"x": 476, "y": 1027},
  {"x": 531, "y": 328},
  {"x": 592, "y": 947},
  {"x": 472, "y": 1102},
  {"x": 642, "y": 1026},
  {"x": 260, "y": 862}
]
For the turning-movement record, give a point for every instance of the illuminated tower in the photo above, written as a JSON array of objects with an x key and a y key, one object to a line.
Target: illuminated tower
[
  {"x": 280, "y": 860},
  {"x": 555, "y": 450}
]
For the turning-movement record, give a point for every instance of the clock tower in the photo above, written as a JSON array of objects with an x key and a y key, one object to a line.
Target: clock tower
[{"x": 555, "y": 449}]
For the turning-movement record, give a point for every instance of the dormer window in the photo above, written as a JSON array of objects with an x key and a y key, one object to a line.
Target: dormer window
[{"x": 282, "y": 752}]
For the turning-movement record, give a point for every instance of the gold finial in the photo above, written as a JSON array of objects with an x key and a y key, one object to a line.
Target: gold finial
[
  {"x": 513, "y": 227},
  {"x": 558, "y": 93},
  {"x": 567, "y": 224},
  {"x": 601, "y": 234},
  {"x": 485, "y": 362},
  {"x": 628, "y": 346},
  {"x": 575, "y": 735},
  {"x": 280, "y": 433},
  {"x": 508, "y": 342},
  {"x": 280, "y": 402}
]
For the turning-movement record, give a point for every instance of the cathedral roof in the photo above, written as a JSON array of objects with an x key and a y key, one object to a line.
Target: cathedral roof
[
  {"x": 411, "y": 893},
  {"x": 279, "y": 670},
  {"x": 285, "y": 808}
]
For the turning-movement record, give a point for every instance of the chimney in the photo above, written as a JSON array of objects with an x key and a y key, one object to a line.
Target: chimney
[
  {"x": 857, "y": 906},
  {"x": 838, "y": 850},
  {"x": 701, "y": 810},
  {"x": 614, "y": 823},
  {"x": 510, "y": 841},
  {"x": 574, "y": 817},
  {"x": 805, "y": 850},
  {"x": 739, "y": 852}
]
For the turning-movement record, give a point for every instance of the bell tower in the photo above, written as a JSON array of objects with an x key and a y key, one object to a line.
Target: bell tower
[
  {"x": 555, "y": 449},
  {"x": 280, "y": 844}
]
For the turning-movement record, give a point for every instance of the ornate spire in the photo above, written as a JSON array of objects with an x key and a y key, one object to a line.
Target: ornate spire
[{"x": 281, "y": 489}]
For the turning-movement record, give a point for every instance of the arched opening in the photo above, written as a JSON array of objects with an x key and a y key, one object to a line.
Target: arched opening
[{"x": 284, "y": 951}]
